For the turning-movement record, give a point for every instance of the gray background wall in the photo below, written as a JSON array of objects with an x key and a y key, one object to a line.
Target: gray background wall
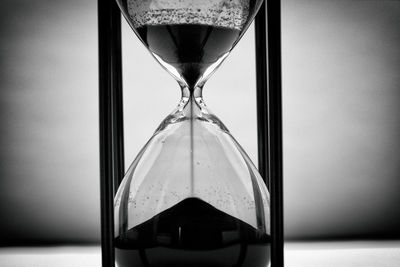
[{"x": 341, "y": 94}]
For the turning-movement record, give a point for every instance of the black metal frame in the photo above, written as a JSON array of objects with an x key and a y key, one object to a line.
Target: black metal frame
[
  {"x": 111, "y": 120},
  {"x": 269, "y": 118}
]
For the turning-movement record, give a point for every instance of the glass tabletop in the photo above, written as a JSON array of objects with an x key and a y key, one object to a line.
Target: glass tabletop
[{"x": 297, "y": 254}]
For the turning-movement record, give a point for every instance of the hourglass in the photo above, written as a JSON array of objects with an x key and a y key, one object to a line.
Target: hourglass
[{"x": 192, "y": 197}]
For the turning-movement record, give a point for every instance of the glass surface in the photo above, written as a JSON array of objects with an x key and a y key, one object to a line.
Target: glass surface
[{"x": 192, "y": 197}]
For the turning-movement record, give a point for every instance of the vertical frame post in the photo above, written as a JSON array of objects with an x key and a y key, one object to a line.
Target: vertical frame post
[
  {"x": 110, "y": 120},
  {"x": 269, "y": 116}
]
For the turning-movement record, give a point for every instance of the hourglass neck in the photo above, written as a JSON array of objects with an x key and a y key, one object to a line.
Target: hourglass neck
[
  {"x": 194, "y": 92},
  {"x": 193, "y": 87},
  {"x": 191, "y": 108}
]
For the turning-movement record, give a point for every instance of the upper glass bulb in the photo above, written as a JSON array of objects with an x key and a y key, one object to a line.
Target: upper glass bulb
[{"x": 190, "y": 38}]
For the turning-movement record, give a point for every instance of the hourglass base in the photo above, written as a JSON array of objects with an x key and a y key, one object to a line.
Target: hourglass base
[
  {"x": 238, "y": 255},
  {"x": 193, "y": 233}
]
